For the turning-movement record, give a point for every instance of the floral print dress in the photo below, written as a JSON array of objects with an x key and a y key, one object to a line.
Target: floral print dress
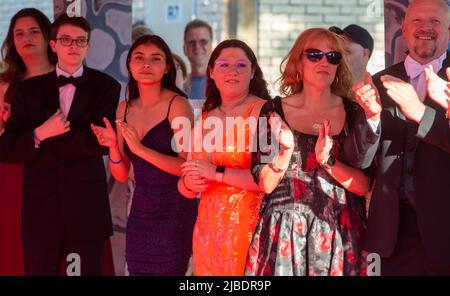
[{"x": 309, "y": 225}]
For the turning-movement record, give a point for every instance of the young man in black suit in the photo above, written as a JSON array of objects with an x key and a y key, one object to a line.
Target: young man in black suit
[
  {"x": 409, "y": 211},
  {"x": 65, "y": 202}
]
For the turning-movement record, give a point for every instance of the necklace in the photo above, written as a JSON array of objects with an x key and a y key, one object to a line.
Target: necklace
[{"x": 237, "y": 105}]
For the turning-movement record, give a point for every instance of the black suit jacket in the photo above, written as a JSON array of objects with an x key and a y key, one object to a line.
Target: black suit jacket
[
  {"x": 431, "y": 171},
  {"x": 64, "y": 180}
]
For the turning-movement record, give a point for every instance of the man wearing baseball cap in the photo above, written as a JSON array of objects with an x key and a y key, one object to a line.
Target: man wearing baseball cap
[{"x": 358, "y": 46}]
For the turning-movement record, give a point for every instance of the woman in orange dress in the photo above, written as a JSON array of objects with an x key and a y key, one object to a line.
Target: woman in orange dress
[{"x": 219, "y": 165}]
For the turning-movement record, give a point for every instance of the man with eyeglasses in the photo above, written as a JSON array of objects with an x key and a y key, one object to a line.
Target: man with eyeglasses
[
  {"x": 197, "y": 47},
  {"x": 65, "y": 203}
]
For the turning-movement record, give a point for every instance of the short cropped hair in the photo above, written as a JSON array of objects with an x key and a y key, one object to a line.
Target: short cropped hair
[
  {"x": 64, "y": 19},
  {"x": 198, "y": 24}
]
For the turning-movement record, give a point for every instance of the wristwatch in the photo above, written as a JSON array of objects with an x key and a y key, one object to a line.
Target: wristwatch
[
  {"x": 330, "y": 162},
  {"x": 220, "y": 172}
]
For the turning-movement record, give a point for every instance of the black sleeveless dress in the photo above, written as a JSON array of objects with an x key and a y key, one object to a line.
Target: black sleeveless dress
[{"x": 161, "y": 221}]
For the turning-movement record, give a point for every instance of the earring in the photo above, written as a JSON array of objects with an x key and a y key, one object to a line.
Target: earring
[{"x": 298, "y": 76}]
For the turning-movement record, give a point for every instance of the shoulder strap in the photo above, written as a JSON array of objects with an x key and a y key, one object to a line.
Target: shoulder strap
[
  {"x": 278, "y": 107},
  {"x": 249, "y": 110},
  {"x": 170, "y": 104}
]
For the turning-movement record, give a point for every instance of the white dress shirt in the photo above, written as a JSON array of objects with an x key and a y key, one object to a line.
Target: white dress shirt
[
  {"x": 67, "y": 92},
  {"x": 416, "y": 73}
]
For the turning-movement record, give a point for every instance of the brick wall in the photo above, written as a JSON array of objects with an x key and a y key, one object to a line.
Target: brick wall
[{"x": 281, "y": 21}]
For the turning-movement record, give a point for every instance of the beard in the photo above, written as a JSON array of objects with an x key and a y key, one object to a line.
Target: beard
[{"x": 425, "y": 51}]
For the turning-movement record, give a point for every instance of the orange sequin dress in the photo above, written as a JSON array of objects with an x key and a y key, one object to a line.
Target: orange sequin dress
[{"x": 227, "y": 215}]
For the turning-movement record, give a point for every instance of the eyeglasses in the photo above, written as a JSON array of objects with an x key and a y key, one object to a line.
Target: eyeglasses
[
  {"x": 201, "y": 42},
  {"x": 240, "y": 67},
  {"x": 315, "y": 55},
  {"x": 67, "y": 41}
]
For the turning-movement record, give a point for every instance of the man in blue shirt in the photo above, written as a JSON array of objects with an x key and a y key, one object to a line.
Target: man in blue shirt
[{"x": 198, "y": 36}]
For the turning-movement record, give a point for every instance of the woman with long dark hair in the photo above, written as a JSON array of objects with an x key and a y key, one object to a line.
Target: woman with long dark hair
[
  {"x": 159, "y": 228},
  {"x": 219, "y": 169},
  {"x": 26, "y": 53}
]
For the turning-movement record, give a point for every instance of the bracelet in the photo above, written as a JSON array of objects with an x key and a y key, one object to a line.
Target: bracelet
[
  {"x": 115, "y": 162},
  {"x": 276, "y": 168},
  {"x": 184, "y": 184}
]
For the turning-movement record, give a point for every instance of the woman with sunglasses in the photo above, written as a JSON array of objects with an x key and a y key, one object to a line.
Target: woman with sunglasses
[
  {"x": 312, "y": 221},
  {"x": 219, "y": 168}
]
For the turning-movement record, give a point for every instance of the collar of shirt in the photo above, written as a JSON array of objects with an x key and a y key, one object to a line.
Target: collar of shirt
[
  {"x": 414, "y": 68},
  {"x": 78, "y": 73},
  {"x": 67, "y": 92}
]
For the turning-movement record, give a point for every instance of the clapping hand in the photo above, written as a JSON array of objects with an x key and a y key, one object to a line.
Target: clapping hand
[
  {"x": 405, "y": 96},
  {"x": 106, "y": 136},
  {"x": 438, "y": 88},
  {"x": 367, "y": 96},
  {"x": 130, "y": 135},
  {"x": 282, "y": 133},
  {"x": 324, "y": 142}
]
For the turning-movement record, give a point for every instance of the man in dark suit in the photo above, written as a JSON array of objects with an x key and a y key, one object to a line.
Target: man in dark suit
[
  {"x": 408, "y": 224},
  {"x": 65, "y": 203}
]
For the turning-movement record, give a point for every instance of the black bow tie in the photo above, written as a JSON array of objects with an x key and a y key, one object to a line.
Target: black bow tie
[{"x": 62, "y": 80}]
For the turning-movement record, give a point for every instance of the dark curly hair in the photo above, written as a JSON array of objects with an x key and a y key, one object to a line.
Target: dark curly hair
[{"x": 257, "y": 87}]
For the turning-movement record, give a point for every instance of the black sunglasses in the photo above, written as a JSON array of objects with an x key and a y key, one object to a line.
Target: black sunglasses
[{"x": 315, "y": 55}]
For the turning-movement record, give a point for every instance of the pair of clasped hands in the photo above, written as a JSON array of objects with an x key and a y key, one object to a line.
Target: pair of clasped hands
[{"x": 403, "y": 94}]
